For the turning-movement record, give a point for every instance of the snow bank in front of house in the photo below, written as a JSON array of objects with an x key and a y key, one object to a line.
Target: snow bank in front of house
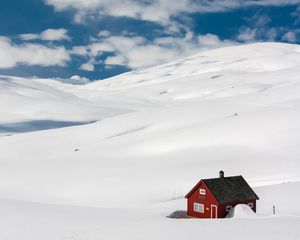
[{"x": 241, "y": 211}]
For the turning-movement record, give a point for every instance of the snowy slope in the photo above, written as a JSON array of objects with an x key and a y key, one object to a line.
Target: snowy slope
[
  {"x": 236, "y": 109},
  {"x": 30, "y": 104},
  {"x": 217, "y": 73}
]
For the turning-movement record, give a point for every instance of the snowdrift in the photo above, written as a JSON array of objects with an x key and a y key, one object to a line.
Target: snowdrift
[{"x": 241, "y": 211}]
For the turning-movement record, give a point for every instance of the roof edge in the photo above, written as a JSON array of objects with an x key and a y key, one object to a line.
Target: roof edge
[
  {"x": 202, "y": 180},
  {"x": 193, "y": 189}
]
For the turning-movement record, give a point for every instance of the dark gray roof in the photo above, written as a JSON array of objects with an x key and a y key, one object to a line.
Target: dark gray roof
[{"x": 230, "y": 189}]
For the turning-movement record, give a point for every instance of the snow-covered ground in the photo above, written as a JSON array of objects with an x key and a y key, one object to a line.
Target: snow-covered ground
[{"x": 154, "y": 133}]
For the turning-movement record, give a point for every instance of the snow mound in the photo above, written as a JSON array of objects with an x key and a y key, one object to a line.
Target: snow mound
[{"x": 241, "y": 211}]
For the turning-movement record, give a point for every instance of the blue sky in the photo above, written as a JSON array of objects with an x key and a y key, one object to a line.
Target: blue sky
[{"x": 97, "y": 39}]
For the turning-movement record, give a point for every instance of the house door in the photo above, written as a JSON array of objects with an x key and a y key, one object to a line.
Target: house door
[{"x": 213, "y": 211}]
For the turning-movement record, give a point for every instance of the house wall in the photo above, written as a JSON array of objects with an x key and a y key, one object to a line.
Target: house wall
[
  {"x": 222, "y": 208},
  {"x": 207, "y": 200}
]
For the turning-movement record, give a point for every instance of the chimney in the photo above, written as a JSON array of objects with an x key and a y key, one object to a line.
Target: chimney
[{"x": 221, "y": 174}]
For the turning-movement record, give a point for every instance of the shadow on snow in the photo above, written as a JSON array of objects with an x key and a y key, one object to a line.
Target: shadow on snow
[{"x": 36, "y": 125}]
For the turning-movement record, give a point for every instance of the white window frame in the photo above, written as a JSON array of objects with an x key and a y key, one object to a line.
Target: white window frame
[
  {"x": 228, "y": 208},
  {"x": 198, "y": 207},
  {"x": 202, "y": 191},
  {"x": 250, "y": 205}
]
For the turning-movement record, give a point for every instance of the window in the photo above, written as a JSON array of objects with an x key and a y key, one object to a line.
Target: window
[
  {"x": 228, "y": 208},
  {"x": 202, "y": 191},
  {"x": 199, "y": 207},
  {"x": 250, "y": 205}
]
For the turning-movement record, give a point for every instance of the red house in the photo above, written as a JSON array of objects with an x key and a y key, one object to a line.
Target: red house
[{"x": 213, "y": 198}]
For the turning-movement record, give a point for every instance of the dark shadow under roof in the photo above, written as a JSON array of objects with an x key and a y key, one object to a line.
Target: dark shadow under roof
[{"x": 230, "y": 189}]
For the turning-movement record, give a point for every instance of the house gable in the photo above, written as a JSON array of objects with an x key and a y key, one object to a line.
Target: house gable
[
  {"x": 200, "y": 201},
  {"x": 197, "y": 186}
]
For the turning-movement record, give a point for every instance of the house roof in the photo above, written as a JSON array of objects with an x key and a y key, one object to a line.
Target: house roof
[{"x": 228, "y": 189}]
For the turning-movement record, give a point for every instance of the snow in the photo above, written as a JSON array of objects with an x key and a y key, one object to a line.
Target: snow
[
  {"x": 241, "y": 211},
  {"x": 31, "y": 104},
  {"x": 138, "y": 142}
]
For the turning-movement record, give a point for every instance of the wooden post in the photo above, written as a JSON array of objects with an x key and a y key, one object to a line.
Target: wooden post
[{"x": 274, "y": 210}]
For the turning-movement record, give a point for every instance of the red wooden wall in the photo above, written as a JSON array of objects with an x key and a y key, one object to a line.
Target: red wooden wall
[{"x": 195, "y": 197}]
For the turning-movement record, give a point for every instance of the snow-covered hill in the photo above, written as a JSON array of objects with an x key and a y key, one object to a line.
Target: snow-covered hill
[
  {"x": 33, "y": 104},
  {"x": 161, "y": 130},
  {"x": 213, "y": 74}
]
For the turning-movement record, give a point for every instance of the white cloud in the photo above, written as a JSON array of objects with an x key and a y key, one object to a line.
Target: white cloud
[
  {"x": 76, "y": 79},
  {"x": 29, "y": 36},
  {"x": 96, "y": 49},
  {"x": 104, "y": 33},
  {"x": 47, "y": 35},
  {"x": 166, "y": 49},
  {"x": 290, "y": 36},
  {"x": 159, "y": 11},
  {"x": 260, "y": 20},
  {"x": 143, "y": 9},
  {"x": 247, "y": 35},
  {"x": 258, "y": 29},
  {"x": 136, "y": 52},
  {"x": 31, "y": 54},
  {"x": 89, "y": 67},
  {"x": 116, "y": 60},
  {"x": 79, "y": 50},
  {"x": 272, "y": 33},
  {"x": 211, "y": 40},
  {"x": 55, "y": 35}
]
